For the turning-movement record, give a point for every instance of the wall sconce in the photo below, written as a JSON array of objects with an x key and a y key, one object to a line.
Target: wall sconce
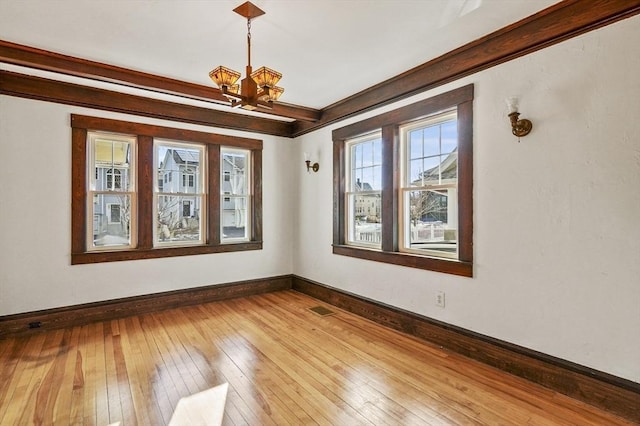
[
  {"x": 519, "y": 127},
  {"x": 315, "y": 166}
]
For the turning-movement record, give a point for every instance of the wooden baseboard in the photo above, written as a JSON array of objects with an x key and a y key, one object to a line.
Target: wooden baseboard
[
  {"x": 69, "y": 316},
  {"x": 611, "y": 393}
]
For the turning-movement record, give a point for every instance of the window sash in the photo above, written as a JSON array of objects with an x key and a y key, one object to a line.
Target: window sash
[
  {"x": 364, "y": 160},
  {"x": 105, "y": 157},
  {"x": 414, "y": 237},
  {"x": 170, "y": 226},
  {"x": 235, "y": 193}
]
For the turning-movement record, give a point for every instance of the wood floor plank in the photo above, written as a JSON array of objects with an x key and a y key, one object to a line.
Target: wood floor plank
[
  {"x": 116, "y": 403},
  {"x": 283, "y": 363},
  {"x": 12, "y": 367},
  {"x": 379, "y": 407}
]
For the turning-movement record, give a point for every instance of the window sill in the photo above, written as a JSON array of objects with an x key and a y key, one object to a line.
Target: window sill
[
  {"x": 156, "y": 253},
  {"x": 447, "y": 266}
]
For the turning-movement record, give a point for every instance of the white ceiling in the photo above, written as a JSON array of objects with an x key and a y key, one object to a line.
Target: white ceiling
[{"x": 326, "y": 49}]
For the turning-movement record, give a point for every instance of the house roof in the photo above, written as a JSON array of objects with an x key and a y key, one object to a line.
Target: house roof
[{"x": 182, "y": 156}]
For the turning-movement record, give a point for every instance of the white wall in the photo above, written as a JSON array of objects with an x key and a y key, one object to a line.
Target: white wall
[
  {"x": 35, "y": 224},
  {"x": 556, "y": 216}
]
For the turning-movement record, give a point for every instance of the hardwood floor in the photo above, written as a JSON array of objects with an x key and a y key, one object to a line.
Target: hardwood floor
[{"x": 284, "y": 365}]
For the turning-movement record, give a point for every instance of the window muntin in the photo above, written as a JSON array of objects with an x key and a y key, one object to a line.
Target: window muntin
[
  {"x": 180, "y": 213},
  {"x": 111, "y": 191},
  {"x": 364, "y": 191},
  {"x": 428, "y": 193},
  {"x": 235, "y": 165}
]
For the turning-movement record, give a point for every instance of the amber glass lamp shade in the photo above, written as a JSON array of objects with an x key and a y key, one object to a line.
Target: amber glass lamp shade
[
  {"x": 266, "y": 77},
  {"x": 272, "y": 93},
  {"x": 223, "y": 76}
]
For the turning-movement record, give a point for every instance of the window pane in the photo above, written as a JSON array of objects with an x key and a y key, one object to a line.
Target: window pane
[
  {"x": 431, "y": 140},
  {"x": 178, "y": 219},
  {"x": 365, "y": 221},
  {"x": 415, "y": 145},
  {"x": 431, "y": 173},
  {"x": 111, "y": 220},
  {"x": 234, "y": 218},
  {"x": 377, "y": 151},
  {"x": 357, "y": 155},
  {"x": 367, "y": 154},
  {"x": 416, "y": 168},
  {"x": 234, "y": 187},
  {"x": 179, "y": 168},
  {"x": 234, "y": 168},
  {"x": 112, "y": 160},
  {"x": 364, "y": 207},
  {"x": 449, "y": 141},
  {"x": 427, "y": 214},
  {"x": 449, "y": 168},
  {"x": 366, "y": 170}
]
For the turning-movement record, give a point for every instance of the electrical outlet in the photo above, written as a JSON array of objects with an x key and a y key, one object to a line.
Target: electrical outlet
[{"x": 440, "y": 299}]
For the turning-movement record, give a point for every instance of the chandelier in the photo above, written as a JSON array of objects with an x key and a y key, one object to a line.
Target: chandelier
[{"x": 258, "y": 88}]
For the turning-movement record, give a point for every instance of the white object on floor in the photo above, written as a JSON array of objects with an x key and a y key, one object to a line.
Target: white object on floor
[{"x": 204, "y": 408}]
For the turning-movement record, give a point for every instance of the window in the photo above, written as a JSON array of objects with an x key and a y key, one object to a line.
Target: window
[
  {"x": 112, "y": 203},
  {"x": 364, "y": 190},
  {"x": 179, "y": 208},
  {"x": 428, "y": 194},
  {"x": 403, "y": 186},
  {"x": 235, "y": 215},
  {"x": 143, "y": 191}
]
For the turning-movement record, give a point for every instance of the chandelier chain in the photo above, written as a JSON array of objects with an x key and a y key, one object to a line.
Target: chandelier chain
[{"x": 249, "y": 42}]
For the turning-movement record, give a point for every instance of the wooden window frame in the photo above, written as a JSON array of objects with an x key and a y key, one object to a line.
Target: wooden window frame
[
  {"x": 389, "y": 123},
  {"x": 145, "y": 134}
]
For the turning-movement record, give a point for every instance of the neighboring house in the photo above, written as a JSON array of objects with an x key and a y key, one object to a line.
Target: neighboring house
[
  {"x": 367, "y": 206},
  {"x": 179, "y": 174}
]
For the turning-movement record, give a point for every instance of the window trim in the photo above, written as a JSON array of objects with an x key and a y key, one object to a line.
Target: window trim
[
  {"x": 145, "y": 133},
  {"x": 389, "y": 123}
]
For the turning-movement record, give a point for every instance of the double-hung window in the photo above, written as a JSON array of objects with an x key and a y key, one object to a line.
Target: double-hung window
[
  {"x": 403, "y": 185},
  {"x": 429, "y": 186},
  {"x": 235, "y": 194},
  {"x": 181, "y": 203},
  {"x": 364, "y": 190},
  {"x": 111, "y": 191},
  {"x": 143, "y": 191}
]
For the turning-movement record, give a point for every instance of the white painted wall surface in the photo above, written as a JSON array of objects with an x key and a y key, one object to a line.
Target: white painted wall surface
[
  {"x": 556, "y": 216},
  {"x": 35, "y": 220}
]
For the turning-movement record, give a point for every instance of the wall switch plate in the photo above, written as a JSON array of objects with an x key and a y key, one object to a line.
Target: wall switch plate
[{"x": 440, "y": 299}]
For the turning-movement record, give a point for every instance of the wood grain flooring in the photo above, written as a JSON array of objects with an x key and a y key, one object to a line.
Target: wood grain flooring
[{"x": 285, "y": 365}]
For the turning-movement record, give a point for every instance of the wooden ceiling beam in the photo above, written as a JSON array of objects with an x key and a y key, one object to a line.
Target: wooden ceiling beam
[
  {"x": 30, "y": 87},
  {"x": 31, "y": 57}
]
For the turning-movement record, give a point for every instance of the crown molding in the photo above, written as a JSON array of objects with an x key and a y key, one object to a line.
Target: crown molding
[{"x": 560, "y": 22}]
